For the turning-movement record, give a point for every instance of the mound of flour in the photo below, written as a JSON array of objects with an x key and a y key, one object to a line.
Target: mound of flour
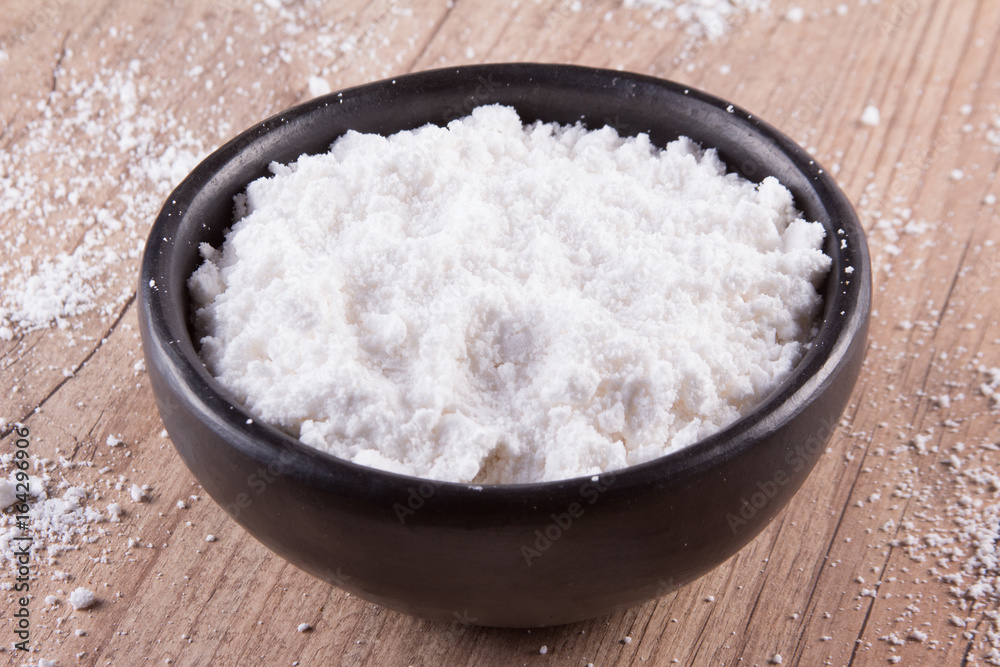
[{"x": 496, "y": 303}]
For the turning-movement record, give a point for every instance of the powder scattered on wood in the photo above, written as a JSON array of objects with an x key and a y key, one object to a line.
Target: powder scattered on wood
[{"x": 710, "y": 19}]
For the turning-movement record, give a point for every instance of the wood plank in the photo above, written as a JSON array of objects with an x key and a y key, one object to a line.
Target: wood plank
[{"x": 851, "y": 573}]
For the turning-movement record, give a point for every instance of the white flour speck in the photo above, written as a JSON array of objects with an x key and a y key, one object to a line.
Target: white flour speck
[
  {"x": 82, "y": 598},
  {"x": 871, "y": 116},
  {"x": 138, "y": 495}
]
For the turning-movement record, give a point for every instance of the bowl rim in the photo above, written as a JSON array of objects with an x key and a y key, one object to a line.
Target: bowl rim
[{"x": 844, "y": 318}]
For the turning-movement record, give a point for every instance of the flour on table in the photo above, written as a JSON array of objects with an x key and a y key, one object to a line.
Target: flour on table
[
  {"x": 55, "y": 523},
  {"x": 494, "y": 303},
  {"x": 82, "y": 598},
  {"x": 871, "y": 116},
  {"x": 710, "y": 19},
  {"x": 135, "y": 149}
]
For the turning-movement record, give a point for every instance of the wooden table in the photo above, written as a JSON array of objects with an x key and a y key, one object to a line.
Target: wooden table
[{"x": 105, "y": 105}]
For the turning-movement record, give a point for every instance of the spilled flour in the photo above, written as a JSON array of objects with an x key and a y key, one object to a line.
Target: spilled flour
[{"x": 710, "y": 19}]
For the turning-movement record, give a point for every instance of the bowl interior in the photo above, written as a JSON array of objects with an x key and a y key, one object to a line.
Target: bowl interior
[{"x": 200, "y": 209}]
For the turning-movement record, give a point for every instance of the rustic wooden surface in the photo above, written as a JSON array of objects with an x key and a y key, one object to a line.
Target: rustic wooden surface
[{"x": 846, "y": 575}]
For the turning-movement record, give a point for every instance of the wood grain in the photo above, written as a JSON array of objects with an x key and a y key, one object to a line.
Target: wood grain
[{"x": 846, "y": 575}]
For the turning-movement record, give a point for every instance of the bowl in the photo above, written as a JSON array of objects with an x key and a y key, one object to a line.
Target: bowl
[{"x": 521, "y": 555}]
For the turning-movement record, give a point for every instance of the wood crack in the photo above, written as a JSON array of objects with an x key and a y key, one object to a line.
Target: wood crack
[
  {"x": 951, "y": 286},
  {"x": 871, "y": 606},
  {"x": 79, "y": 367},
  {"x": 827, "y": 552},
  {"x": 59, "y": 61}
]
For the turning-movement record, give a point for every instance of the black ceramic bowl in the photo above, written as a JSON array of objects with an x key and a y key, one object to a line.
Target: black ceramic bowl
[{"x": 506, "y": 555}]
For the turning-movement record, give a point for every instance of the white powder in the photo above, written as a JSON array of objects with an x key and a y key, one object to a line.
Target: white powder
[
  {"x": 55, "y": 524},
  {"x": 318, "y": 86},
  {"x": 795, "y": 14},
  {"x": 135, "y": 149},
  {"x": 703, "y": 18},
  {"x": 993, "y": 133},
  {"x": 138, "y": 495},
  {"x": 496, "y": 303},
  {"x": 871, "y": 116},
  {"x": 81, "y": 598},
  {"x": 8, "y": 492}
]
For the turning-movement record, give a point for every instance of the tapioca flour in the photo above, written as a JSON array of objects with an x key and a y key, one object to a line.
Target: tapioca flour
[{"x": 494, "y": 302}]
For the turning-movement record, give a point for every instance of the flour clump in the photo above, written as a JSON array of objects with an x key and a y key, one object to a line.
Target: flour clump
[{"x": 495, "y": 302}]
